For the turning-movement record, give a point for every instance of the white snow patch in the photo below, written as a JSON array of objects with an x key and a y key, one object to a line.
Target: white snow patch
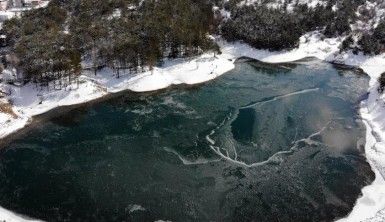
[
  {"x": 8, "y": 216},
  {"x": 281, "y": 3}
]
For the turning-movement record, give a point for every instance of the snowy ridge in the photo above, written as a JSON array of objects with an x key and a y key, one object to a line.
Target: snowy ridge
[{"x": 28, "y": 102}]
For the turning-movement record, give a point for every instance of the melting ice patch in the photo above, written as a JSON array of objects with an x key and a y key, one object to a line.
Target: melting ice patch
[
  {"x": 178, "y": 106},
  {"x": 169, "y": 100}
]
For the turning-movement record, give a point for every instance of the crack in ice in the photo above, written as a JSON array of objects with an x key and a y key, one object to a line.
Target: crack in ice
[
  {"x": 272, "y": 158},
  {"x": 188, "y": 162},
  {"x": 274, "y": 98}
]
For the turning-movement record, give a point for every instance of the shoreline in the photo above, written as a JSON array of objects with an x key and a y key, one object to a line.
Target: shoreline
[
  {"x": 59, "y": 110},
  {"x": 207, "y": 67},
  {"x": 27, "y": 102}
]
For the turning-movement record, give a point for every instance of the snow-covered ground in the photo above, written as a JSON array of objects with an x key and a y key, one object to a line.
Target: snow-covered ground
[
  {"x": 8, "y": 216},
  {"x": 28, "y": 102}
]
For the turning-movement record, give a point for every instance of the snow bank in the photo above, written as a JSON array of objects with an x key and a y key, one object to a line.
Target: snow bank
[
  {"x": 174, "y": 72},
  {"x": 8, "y": 216},
  {"x": 28, "y": 102}
]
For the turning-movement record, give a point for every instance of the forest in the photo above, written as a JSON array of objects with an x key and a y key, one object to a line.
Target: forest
[
  {"x": 53, "y": 42},
  {"x": 131, "y": 36},
  {"x": 278, "y": 28}
]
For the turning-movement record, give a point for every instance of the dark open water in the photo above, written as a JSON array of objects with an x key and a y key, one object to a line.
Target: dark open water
[{"x": 260, "y": 143}]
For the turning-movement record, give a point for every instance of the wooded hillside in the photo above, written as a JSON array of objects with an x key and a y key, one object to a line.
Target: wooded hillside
[{"x": 51, "y": 42}]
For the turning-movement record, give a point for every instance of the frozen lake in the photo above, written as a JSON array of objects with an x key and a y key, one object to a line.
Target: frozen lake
[{"x": 262, "y": 142}]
